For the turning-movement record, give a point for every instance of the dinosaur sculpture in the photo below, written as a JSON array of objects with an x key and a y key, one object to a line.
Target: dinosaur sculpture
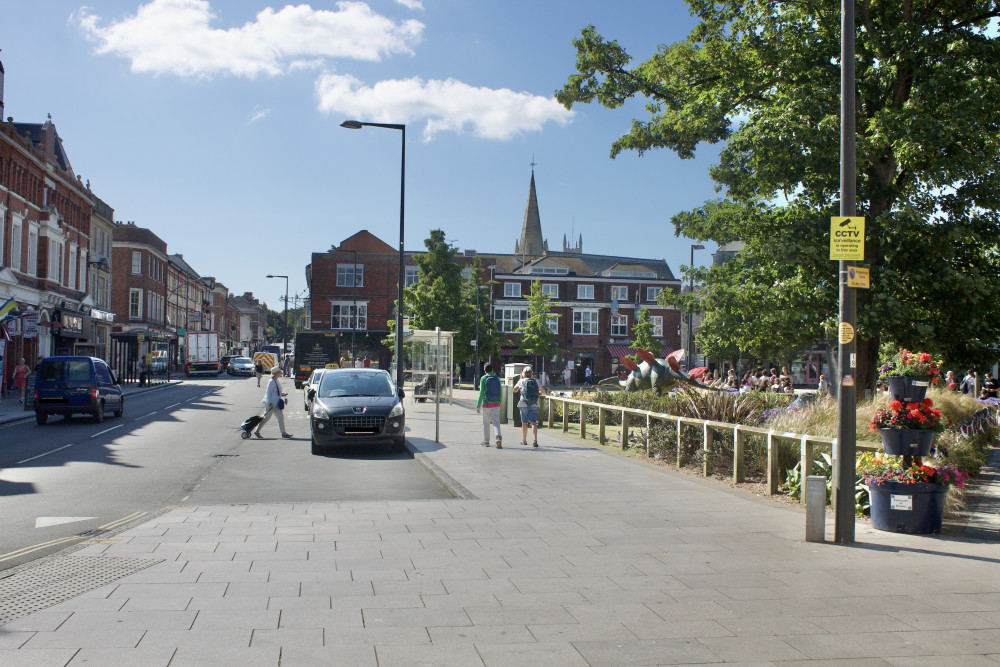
[{"x": 658, "y": 375}]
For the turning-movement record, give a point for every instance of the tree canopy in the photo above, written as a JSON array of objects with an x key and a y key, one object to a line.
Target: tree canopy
[
  {"x": 536, "y": 337},
  {"x": 643, "y": 332},
  {"x": 762, "y": 78}
]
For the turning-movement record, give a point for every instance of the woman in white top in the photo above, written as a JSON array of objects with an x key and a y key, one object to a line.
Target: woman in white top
[{"x": 270, "y": 401}]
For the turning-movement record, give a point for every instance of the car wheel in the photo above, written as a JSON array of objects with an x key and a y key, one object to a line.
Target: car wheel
[
  {"x": 99, "y": 413},
  {"x": 121, "y": 407},
  {"x": 41, "y": 418}
]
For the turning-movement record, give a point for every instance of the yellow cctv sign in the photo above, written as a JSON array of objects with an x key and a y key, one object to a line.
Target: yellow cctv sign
[{"x": 847, "y": 238}]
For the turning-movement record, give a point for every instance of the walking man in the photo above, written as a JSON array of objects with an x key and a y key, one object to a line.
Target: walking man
[
  {"x": 528, "y": 389},
  {"x": 490, "y": 391}
]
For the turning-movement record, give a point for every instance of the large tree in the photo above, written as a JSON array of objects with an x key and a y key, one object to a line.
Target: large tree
[
  {"x": 643, "y": 332},
  {"x": 537, "y": 338},
  {"x": 490, "y": 338},
  {"x": 762, "y": 77}
]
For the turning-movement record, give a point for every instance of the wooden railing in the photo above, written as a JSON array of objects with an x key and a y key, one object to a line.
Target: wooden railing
[{"x": 808, "y": 444}]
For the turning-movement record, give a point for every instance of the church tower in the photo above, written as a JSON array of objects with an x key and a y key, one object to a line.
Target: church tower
[{"x": 531, "y": 243}]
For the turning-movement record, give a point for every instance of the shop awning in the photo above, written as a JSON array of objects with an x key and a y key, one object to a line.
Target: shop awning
[{"x": 509, "y": 351}]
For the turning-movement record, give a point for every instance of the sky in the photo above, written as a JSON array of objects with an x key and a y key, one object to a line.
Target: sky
[{"x": 216, "y": 124}]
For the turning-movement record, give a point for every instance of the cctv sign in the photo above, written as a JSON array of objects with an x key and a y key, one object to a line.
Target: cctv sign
[{"x": 847, "y": 238}]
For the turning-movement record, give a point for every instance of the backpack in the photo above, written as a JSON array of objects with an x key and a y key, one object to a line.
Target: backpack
[
  {"x": 491, "y": 383},
  {"x": 530, "y": 391}
]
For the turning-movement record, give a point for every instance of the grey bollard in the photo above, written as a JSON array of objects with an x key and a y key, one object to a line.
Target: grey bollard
[{"x": 815, "y": 508}]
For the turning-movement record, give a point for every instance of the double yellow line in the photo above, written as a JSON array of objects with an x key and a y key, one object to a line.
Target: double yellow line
[{"x": 63, "y": 540}]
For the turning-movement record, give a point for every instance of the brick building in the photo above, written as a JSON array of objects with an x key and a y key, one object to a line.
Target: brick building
[{"x": 352, "y": 290}]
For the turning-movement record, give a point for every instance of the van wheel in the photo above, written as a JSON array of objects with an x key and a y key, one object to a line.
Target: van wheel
[
  {"x": 99, "y": 413},
  {"x": 41, "y": 418},
  {"x": 121, "y": 407}
]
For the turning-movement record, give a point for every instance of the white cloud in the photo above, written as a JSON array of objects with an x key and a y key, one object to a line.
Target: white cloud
[
  {"x": 447, "y": 105},
  {"x": 257, "y": 114},
  {"x": 176, "y": 37},
  {"x": 411, "y": 4}
]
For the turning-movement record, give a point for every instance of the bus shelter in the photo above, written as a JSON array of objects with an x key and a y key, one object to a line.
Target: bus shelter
[{"x": 432, "y": 362}]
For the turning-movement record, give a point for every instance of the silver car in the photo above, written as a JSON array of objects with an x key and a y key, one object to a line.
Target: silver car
[
  {"x": 310, "y": 388},
  {"x": 240, "y": 366}
]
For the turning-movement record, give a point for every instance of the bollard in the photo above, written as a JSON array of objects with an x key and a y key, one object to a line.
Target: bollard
[{"x": 815, "y": 493}]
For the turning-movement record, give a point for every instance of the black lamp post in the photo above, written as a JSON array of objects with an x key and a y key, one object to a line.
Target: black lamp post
[
  {"x": 476, "y": 374},
  {"x": 690, "y": 355},
  {"x": 284, "y": 349},
  {"x": 357, "y": 125}
]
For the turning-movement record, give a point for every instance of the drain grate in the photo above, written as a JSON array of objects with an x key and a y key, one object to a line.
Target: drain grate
[{"x": 60, "y": 579}]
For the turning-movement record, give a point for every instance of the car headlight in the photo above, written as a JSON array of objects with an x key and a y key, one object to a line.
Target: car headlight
[
  {"x": 319, "y": 413},
  {"x": 397, "y": 410}
]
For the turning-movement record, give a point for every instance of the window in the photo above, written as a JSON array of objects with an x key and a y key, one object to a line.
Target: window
[
  {"x": 619, "y": 292},
  {"x": 55, "y": 261},
  {"x": 136, "y": 263},
  {"x": 509, "y": 320},
  {"x": 350, "y": 275},
  {"x": 102, "y": 293},
  {"x": 619, "y": 325},
  {"x": 550, "y": 270},
  {"x": 3, "y": 216},
  {"x": 585, "y": 322},
  {"x": 511, "y": 290},
  {"x": 652, "y": 293},
  {"x": 32, "y": 267},
  {"x": 71, "y": 278},
  {"x": 553, "y": 322},
  {"x": 551, "y": 290},
  {"x": 584, "y": 291},
  {"x": 15, "y": 247},
  {"x": 135, "y": 304},
  {"x": 343, "y": 312},
  {"x": 412, "y": 274},
  {"x": 657, "y": 322}
]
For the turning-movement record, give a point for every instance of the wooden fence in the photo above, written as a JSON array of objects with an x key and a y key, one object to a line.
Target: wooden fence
[{"x": 808, "y": 444}]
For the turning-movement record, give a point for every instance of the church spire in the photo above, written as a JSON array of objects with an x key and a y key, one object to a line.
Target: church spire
[{"x": 531, "y": 243}]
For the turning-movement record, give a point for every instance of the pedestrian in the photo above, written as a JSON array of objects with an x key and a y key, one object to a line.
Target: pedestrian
[
  {"x": 20, "y": 377},
  {"x": 950, "y": 383},
  {"x": 142, "y": 371},
  {"x": 357, "y": 362},
  {"x": 991, "y": 387},
  {"x": 274, "y": 403},
  {"x": 587, "y": 375},
  {"x": 528, "y": 389},
  {"x": 366, "y": 362},
  {"x": 567, "y": 373},
  {"x": 490, "y": 391},
  {"x": 823, "y": 387},
  {"x": 258, "y": 370},
  {"x": 969, "y": 383}
]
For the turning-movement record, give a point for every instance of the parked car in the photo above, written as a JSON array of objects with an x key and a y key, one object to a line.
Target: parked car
[
  {"x": 240, "y": 366},
  {"x": 224, "y": 362},
  {"x": 76, "y": 385},
  {"x": 310, "y": 387},
  {"x": 357, "y": 406}
]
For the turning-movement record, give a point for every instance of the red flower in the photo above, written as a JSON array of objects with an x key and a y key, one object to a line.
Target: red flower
[
  {"x": 928, "y": 403},
  {"x": 924, "y": 356},
  {"x": 895, "y": 405}
]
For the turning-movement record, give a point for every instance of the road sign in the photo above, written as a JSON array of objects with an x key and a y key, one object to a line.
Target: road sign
[
  {"x": 858, "y": 277},
  {"x": 847, "y": 238}
]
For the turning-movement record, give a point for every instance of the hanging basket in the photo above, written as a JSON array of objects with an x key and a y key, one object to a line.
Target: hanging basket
[
  {"x": 907, "y": 442},
  {"x": 907, "y": 508},
  {"x": 908, "y": 389}
]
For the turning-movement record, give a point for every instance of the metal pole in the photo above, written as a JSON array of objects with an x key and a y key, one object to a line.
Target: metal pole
[
  {"x": 475, "y": 375},
  {"x": 284, "y": 350},
  {"x": 354, "y": 319},
  {"x": 402, "y": 277},
  {"x": 690, "y": 352},
  {"x": 437, "y": 386},
  {"x": 846, "y": 451}
]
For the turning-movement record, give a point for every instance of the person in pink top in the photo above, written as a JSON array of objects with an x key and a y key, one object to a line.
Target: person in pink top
[{"x": 20, "y": 377}]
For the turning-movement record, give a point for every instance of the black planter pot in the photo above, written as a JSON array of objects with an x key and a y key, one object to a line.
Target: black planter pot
[
  {"x": 908, "y": 389},
  {"x": 907, "y": 508},
  {"x": 907, "y": 442}
]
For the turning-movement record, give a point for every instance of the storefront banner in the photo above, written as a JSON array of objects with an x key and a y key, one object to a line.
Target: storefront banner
[{"x": 30, "y": 321}]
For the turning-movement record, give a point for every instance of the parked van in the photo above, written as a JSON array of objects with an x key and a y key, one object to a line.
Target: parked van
[{"x": 74, "y": 385}]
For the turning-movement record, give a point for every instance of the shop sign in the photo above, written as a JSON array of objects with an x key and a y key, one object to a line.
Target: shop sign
[{"x": 30, "y": 321}]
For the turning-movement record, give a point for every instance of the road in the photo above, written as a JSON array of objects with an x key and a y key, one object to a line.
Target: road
[{"x": 73, "y": 480}]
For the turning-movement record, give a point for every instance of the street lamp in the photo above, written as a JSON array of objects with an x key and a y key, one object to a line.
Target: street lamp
[
  {"x": 476, "y": 374},
  {"x": 284, "y": 349},
  {"x": 357, "y": 125},
  {"x": 690, "y": 365}
]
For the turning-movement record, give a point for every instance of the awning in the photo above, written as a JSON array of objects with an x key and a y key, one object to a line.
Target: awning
[
  {"x": 621, "y": 351},
  {"x": 510, "y": 351}
]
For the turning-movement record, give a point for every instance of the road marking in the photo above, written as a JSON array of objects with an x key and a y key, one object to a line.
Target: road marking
[
  {"x": 120, "y": 522},
  {"x": 46, "y": 521},
  {"x": 172, "y": 406},
  {"x": 45, "y": 454},
  {"x": 106, "y": 430},
  {"x": 62, "y": 540},
  {"x": 38, "y": 547}
]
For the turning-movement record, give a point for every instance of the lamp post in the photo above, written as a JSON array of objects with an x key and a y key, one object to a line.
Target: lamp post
[
  {"x": 357, "y": 125},
  {"x": 284, "y": 349},
  {"x": 690, "y": 356},
  {"x": 476, "y": 374}
]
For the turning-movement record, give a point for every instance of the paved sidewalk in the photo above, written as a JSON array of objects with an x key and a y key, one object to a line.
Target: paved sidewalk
[
  {"x": 565, "y": 555},
  {"x": 11, "y": 409}
]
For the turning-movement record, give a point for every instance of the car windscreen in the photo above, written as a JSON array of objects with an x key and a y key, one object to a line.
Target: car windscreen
[{"x": 333, "y": 385}]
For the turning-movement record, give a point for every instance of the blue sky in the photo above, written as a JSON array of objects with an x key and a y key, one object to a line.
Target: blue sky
[{"x": 215, "y": 123}]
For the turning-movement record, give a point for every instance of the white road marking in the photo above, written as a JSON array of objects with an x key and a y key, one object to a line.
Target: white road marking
[
  {"x": 106, "y": 430},
  {"x": 46, "y": 521},
  {"x": 172, "y": 406},
  {"x": 45, "y": 454}
]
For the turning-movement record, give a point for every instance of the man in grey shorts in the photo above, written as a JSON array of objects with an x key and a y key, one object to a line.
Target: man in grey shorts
[{"x": 528, "y": 389}]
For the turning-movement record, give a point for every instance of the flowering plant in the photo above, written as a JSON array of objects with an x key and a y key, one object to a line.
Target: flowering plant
[
  {"x": 911, "y": 364},
  {"x": 922, "y": 416},
  {"x": 876, "y": 469}
]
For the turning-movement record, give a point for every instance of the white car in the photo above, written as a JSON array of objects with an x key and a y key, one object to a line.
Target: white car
[
  {"x": 311, "y": 385},
  {"x": 240, "y": 366}
]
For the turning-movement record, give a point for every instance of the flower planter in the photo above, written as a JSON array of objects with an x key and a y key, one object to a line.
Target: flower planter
[
  {"x": 907, "y": 389},
  {"x": 907, "y": 508},
  {"x": 906, "y": 441}
]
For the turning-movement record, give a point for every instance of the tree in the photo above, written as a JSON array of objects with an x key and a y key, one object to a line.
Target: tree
[
  {"x": 536, "y": 337},
  {"x": 763, "y": 78},
  {"x": 643, "y": 332},
  {"x": 490, "y": 338}
]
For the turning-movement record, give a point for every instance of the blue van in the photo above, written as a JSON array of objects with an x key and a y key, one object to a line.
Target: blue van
[{"x": 74, "y": 385}]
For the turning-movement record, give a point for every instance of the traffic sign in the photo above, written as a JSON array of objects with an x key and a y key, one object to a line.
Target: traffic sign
[{"x": 858, "y": 277}]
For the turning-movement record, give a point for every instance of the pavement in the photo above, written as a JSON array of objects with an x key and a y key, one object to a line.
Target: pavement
[{"x": 563, "y": 555}]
